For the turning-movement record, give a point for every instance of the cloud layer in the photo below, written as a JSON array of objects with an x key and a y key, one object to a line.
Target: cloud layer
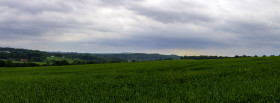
[{"x": 184, "y": 27}]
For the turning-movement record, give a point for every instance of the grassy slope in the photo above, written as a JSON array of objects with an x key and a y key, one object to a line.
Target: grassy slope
[
  {"x": 221, "y": 80},
  {"x": 40, "y": 63},
  {"x": 48, "y": 58},
  {"x": 60, "y": 59}
]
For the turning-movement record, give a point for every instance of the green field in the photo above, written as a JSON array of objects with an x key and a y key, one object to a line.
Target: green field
[
  {"x": 49, "y": 59},
  {"x": 60, "y": 59},
  {"x": 218, "y": 80}
]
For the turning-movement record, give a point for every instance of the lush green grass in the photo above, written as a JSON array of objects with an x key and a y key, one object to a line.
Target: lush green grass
[
  {"x": 60, "y": 59},
  {"x": 40, "y": 63},
  {"x": 221, "y": 80},
  {"x": 49, "y": 59}
]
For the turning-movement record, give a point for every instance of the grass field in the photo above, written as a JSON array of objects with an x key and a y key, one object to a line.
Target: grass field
[
  {"x": 60, "y": 59},
  {"x": 49, "y": 59},
  {"x": 220, "y": 80}
]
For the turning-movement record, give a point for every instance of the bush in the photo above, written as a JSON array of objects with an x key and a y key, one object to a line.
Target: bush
[
  {"x": 2, "y": 63},
  {"x": 63, "y": 62},
  {"x": 9, "y": 63}
]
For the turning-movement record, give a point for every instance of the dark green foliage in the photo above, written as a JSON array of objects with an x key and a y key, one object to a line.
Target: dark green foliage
[
  {"x": 242, "y": 80},
  {"x": 2, "y": 63},
  {"x": 63, "y": 62},
  {"x": 236, "y": 56},
  {"x": 6, "y": 53},
  {"x": 78, "y": 62},
  {"x": 41, "y": 56},
  {"x": 9, "y": 63},
  {"x": 38, "y": 59},
  {"x": 28, "y": 64},
  {"x": 138, "y": 56}
]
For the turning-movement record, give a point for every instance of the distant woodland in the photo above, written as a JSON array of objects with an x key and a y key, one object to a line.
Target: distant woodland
[
  {"x": 16, "y": 57},
  {"x": 11, "y": 57}
]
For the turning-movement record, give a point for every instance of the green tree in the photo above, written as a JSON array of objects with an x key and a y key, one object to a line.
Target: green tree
[
  {"x": 9, "y": 63},
  {"x": 236, "y": 56},
  {"x": 2, "y": 63},
  {"x": 64, "y": 62}
]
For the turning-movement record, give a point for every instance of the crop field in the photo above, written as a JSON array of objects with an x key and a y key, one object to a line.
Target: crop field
[
  {"x": 45, "y": 62},
  {"x": 60, "y": 59},
  {"x": 255, "y": 79}
]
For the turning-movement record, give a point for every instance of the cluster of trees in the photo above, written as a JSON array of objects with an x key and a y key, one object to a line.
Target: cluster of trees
[
  {"x": 218, "y": 57},
  {"x": 243, "y": 56},
  {"x": 9, "y": 63},
  {"x": 6, "y": 53},
  {"x": 79, "y": 62},
  {"x": 16, "y": 54},
  {"x": 83, "y": 56},
  {"x": 138, "y": 56},
  {"x": 203, "y": 57},
  {"x": 104, "y": 58},
  {"x": 39, "y": 56},
  {"x": 62, "y": 62}
]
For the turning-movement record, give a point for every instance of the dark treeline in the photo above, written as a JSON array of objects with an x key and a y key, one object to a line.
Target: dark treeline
[
  {"x": 80, "y": 62},
  {"x": 17, "y": 54},
  {"x": 203, "y": 57},
  {"x": 27, "y": 57},
  {"x": 9, "y": 63},
  {"x": 219, "y": 57},
  {"x": 83, "y": 56},
  {"x": 39, "y": 56},
  {"x": 139, "y": 56}
]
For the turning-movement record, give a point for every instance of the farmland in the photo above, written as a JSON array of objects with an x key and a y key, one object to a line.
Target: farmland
[{"x": 254, "y": 79}]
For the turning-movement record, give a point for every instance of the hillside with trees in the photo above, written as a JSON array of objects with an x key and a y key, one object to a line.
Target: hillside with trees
[{"x": 23, "y": 57}]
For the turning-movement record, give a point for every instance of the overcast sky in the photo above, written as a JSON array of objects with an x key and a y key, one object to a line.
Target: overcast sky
[{"x": 182, "y": 27}]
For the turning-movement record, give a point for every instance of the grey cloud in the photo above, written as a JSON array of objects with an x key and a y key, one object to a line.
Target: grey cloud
[
  {"x": 31, "y": 28},
  {"x": 155, "y": 42},
  {"x": 124, "y": 3},
  {"x": 25, "y": 19},
  {"x": 245, "y": 27},
  {"x": 22, "y": 28},
  {"x": 21, "y": 18},
  {"x": 164, "y": 28},
  {"x": 37, "y": 6},
  {"x": 171, "y": 17},
  {"x": 253, "y": 33},
  {"x": 188, "y": 11}
]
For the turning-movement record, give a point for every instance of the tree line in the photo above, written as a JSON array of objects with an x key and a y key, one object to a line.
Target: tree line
[
  {"x": 219, "y": 57},
  {"x": 9, "y": 63}
]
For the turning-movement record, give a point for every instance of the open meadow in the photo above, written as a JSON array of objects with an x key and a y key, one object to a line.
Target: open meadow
[{"x": 255, "y": 79}]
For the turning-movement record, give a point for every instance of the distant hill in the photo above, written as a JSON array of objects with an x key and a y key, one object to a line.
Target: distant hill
[
  {"x": 139, "y": 56},
  {"x": 36, "y": 55},
  {"x": 18, "y": 53}
]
